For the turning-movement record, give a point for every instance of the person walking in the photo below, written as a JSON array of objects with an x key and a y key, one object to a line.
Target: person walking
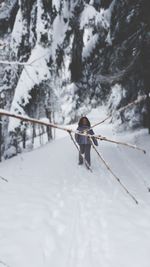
[{"x": 84, "y": 142}]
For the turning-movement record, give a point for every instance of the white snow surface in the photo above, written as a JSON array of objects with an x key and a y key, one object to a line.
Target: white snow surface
[
  {"x": 89, "y": 44},
  {"x": 56, "y": 213},
  {"x": 59, "y": 28},
  {"x": 90, "y": 14}
]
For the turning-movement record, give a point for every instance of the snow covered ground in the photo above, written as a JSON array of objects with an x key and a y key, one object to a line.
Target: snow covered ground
[{"x": 56, "y": 213}]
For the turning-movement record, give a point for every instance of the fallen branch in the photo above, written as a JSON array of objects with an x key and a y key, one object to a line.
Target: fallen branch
[
  {"x": 102, "y": 138},
  {"x": 114, "y": 175},
  {"x": 99, "y": 137},
  {"x": 84, "y": 160}
]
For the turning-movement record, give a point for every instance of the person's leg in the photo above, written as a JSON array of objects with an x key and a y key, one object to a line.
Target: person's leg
[
  {"x": 87, "y": 154},
  {"x": 82, "y": 149}
]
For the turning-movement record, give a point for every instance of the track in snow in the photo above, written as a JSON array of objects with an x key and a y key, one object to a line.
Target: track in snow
[{"x": 56, "y": 213}]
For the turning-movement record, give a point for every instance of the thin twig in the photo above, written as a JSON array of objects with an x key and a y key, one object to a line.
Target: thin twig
[
  {"x": 96, "y": 124},
  {"x": 135, "y": 102},
  {"x": 33, "y": 61},
  {"x": 114, "y": 175},
  {"x": 4, "y": 179},
  {"x": 4, "y": 264},
  {"x": 29, "y": 76},
  {"x": 5, "y": 62}
]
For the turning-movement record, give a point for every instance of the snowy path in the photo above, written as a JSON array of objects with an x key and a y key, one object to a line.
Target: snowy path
[{"x": 56, "y": 213}]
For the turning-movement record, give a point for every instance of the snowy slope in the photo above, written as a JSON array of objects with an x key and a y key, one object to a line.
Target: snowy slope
[{"x": 56, "y": 213}]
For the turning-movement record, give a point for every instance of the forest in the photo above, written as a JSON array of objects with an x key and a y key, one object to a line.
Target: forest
[{"x": 74, "y": 133}]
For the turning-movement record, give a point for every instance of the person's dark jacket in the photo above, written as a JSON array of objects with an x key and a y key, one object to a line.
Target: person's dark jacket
[{"x": 84, "y": 140}]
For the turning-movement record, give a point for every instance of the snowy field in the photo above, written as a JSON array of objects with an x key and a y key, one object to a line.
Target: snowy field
[{"x": 54, "y": 213}]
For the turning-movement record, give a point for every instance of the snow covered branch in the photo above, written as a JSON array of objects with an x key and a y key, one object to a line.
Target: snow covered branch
[{"x": 5, "y": 62}]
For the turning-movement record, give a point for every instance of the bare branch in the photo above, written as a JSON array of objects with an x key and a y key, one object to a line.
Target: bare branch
[
  {"x": 29, "y": 76},
  {"x": 4, "y": 264},
  {"x": 6, "y": 62},
  {"x": 99, "y": 137},
  {"x": 114, "y": 175},
  {"x": 96, "y": 124},
  {"x": 4, "y": 179},
  {"x": 135, "y": 102},
  {"x": 121, "y": 143}
]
